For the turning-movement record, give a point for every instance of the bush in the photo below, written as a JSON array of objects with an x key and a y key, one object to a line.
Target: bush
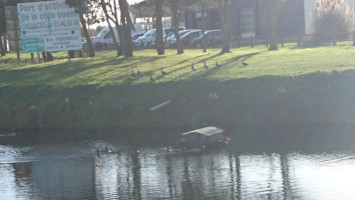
[{"x": 331, "y": 20}]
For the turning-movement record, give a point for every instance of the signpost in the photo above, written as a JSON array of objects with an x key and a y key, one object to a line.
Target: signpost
[{"x": 48, "y": 26}]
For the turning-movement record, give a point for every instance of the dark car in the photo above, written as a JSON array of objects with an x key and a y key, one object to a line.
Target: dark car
[
  {"x": 188, "y": 37},
  {"x": 135, "y": 36},
  {"x": 213, "y": 37}
]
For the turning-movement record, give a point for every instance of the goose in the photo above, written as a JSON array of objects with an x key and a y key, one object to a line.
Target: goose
[
  {"x": 192, "y": 67},
  {"x": 151, "y": 78},
  {"x": 162, "y": 72},
  {"x": 204, "y": 65},
  {"x": 218, "y": 65},
  {"x": 244, "y": 63}
]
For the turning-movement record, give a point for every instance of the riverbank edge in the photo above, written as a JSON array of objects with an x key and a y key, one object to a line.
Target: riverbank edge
[{"x": 316, "y": 99}]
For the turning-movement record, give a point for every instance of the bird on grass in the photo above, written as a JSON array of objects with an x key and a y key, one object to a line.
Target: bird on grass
[
  {"x": 151, "y": 78},
  {"x": 163, "y": 72},
  {"x": 139, "y": 74},
  {"x": 244, "y": 63},
  {"x": 192, "y": 67},
  {"x": 218, "y": 65},
  {"x": 204, "y": 65},
  {"x": 133, "y": 74}
]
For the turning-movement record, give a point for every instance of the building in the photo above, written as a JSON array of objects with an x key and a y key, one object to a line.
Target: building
[{"x": 246, "y": 19}]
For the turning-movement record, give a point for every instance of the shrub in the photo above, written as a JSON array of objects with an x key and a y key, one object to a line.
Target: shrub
[{"x": 331, "y": 20}]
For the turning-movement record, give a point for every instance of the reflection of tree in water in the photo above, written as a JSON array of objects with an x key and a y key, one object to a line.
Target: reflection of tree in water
[
  {"x": 136, "y": 171},
  {"x": 287, "y": 192},
  {"x": 235, "y": 175},
  {"x": 169, "y": 173},
  {"x": 23, "y": 177},
  {"x": 186, "y": 182}
]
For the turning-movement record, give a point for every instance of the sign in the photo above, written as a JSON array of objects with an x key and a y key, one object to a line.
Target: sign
[{"x": 48, "y": 26}]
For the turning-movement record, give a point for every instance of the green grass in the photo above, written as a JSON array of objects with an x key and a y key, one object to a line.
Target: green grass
[{"x": 285, "y": 87}]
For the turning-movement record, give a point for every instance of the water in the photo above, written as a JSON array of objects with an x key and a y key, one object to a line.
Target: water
[{"x": 73, "y": 171}]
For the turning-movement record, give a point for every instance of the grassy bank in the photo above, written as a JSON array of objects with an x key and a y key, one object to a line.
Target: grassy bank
[{"x": 289, "y": 87}]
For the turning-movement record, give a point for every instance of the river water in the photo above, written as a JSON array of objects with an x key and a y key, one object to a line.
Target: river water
[{"x": 74, "y": 171}]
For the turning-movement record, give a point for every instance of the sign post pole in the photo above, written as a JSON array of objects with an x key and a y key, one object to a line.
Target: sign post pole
[{"x": 38, "y": 58}]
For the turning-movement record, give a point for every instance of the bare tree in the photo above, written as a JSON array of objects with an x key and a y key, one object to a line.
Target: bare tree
[
  {"x": 108, "y": 18},
  {"x": 270, "y": 19},
  {"x": 159, "y": 27},
  {"x": 81, "y": 8},
  {"x": 123, "y": 24},
  {"x": 224, "y": 12}
]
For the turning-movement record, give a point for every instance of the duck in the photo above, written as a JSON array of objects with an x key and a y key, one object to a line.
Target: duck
[
  {"x": 140, "y": 74},
  {"x": 244, "y": 63},
  {"x": 218, "y": 65},
  {"x": 163, "y": 72},
  {"x": 192, "y": 67},
  {"x": 204, "y": 65},
  {"x": 151, "y": 78}
]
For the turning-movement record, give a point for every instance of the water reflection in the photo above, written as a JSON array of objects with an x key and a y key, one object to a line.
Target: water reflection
[{"x": 155, "y": 174}]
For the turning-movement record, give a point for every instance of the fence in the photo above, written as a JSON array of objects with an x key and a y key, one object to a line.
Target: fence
[{"x": 301, "y": 40}]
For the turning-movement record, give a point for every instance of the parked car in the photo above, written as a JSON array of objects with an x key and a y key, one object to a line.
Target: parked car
[
  {"x": 212, "y": 37},
  {"x": 188, "y": 37},
  {"x": 104, "y": 38},
  {"x": 172, "y": 39},
  {"x": 148, "y": 39},
  {"x": 135, "y": 36}
]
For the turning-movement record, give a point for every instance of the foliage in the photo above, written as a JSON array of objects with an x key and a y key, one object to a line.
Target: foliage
[{"x": 331, "y": 19}]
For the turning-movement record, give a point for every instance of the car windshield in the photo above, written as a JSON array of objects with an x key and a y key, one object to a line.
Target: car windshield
[
  {"x": 101, "y": 34},
  {"x": 149, "y": 33}
]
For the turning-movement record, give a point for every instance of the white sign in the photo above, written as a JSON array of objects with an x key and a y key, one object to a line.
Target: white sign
[{"x": 48, "y": 26}]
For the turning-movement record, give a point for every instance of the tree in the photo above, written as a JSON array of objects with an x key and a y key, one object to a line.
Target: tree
[
  {"x": 123, "y": 23},
  {"x": 81, "y": 7},
  {"x": 175, "y": 6},
  {"x": 270, "y": 13},
  {"x": 2, "y": 28},
  {"x": 203, "y": 5},
  {"x": 159, "y": 42},
  {"x": 331, "y": 18},
  {"x": 108, "y": 19},
  {"x": 224, "y": 12}
]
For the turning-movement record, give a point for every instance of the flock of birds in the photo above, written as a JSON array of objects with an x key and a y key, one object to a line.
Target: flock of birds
[{"x": 163, "y": 73}]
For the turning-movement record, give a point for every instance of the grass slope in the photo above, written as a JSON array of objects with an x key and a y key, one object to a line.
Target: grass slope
[{"x": 309, "y": 86}]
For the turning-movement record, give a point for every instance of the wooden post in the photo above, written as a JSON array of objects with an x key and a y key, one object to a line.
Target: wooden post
[
  {"x": 252, "y": 41},
  {"x": 32, "y": 58},
  {"x": 68, "y": 56},
  {"x": 282, "y": 42},
  {"x": 38, "y": 58}
]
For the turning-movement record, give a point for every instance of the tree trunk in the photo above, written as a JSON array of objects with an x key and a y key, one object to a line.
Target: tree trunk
[
  {"x": 115, "y": 42},
  {"x": 126, "y": 23},
  {"x": 2, "y": 50},
  {"x": 44, "y": 56},
  {"x": 175, "y": 20},
  {"x": 90, "y": 49},
  {"x": 203, "y": 39},
  {"x": 5, "y": 43},
  {"x": 159, "y": 27},
  {"x": 225, "y": 21},
  {"x": 49, "y": 56}
]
